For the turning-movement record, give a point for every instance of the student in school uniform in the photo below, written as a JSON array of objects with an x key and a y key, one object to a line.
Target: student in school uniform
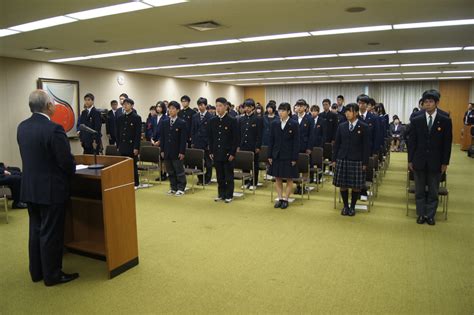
[
  {"x": 90, "y": 117},
  {"x": 160, "y": 118},
  {"x": 150, "y": 125},
  {"x": 186, "y": 113},
  {"x": 232, "y": 112},
  {"x": 351, "y": 156},
  {"x": 331, "y": 121},
  {"x": 111, "y": 122},
  {"x": 429, "y": 152},
  {"x": 283, "y": 152},
  {"x": 250, "y": 130},
  {"x": 270, "y": 115},
  {"x": 306, "y": 125},
  {"x": 318, "y": 134},
  {"x": 341, "y": 111},
  {"x": 223, "y": 142},
  {"x": 468, "y": 119},
  {"x": 200, "y": 137},
  {"x": 173, "y": 142}
]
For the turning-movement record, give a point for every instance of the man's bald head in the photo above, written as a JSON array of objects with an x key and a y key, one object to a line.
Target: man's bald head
[{"x": 39, "y": 101}]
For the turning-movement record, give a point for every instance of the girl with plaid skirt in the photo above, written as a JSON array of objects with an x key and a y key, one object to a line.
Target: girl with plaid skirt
[
  {"x": 283, "y": 150},
  {"x": 351, "y": 156}
]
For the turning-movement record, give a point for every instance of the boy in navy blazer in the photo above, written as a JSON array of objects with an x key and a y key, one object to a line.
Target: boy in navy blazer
[
  {"x": 318, "y": 134},
  {"x": 351, "y": 156},
  {"x": 155, "y": 140},
  {"x": 429, "y": 152},
  {"x": 331, "y": 121},
  {"x": 90, "y": 117},
  {"x": 111, "y": 123},
  {"x": 173, "y": 144},
  {"x": 306, "y": 125},
  {"x": 200, "y": 137}
]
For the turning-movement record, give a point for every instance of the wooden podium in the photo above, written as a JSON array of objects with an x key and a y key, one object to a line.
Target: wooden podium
[
  {"x": 101, "y": 220},
  {"x": 466, "y": 137}
]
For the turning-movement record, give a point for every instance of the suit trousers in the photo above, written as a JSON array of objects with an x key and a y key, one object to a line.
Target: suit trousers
[
  {"x": 176, "y": 175},
  {"x": 225, "y": 178},
  {"x": 426, "y": 192}
]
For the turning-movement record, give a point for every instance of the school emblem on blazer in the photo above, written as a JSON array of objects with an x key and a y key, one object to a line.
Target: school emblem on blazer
[
  {"x": 177, "y": 129},
  {"x": 225, "y": 128},
  {"x": 318, "y": 126},
  {"x": 290, "y": 131},
  {"x": 439, "y": 128}
]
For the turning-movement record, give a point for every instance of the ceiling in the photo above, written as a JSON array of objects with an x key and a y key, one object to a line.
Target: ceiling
[{"x": 164, "y": 26}]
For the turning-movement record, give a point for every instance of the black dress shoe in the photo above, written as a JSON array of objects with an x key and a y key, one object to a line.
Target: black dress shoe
[
  {"x": 345, "y": 211},
  {"x": 19, "y": 205},
  {"x": 63, "y": 278},
  {"x": 284, "y": 204},
  {"x": 421, "y": 219},
  {"x": 352, "y": 212},
  {"x": 37, "y": 279},
  {"x": 430, "y": 221},
  {"x": 278, "y": 204}
]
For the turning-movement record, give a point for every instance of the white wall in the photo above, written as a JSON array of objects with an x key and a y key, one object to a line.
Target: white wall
[{"x": 18, "y": 78}]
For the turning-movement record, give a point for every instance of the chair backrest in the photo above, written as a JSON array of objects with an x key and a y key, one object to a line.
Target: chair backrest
[
  {"x": 375, "y": 162},
  {"x": 111, "y": 150},
  {"x": 194, "y": 158},
  {"x": 150, "y": 154},
  {"x": 303, "y": 163},
  {"x": 317, "y": 156},
  {"x": 263, "y": 155},
  {"x": 327, "y": 151},
  {"x": 369, "y": 173},
  {"x": 244, "y": 160},
  {"x": 145, "y": 144}
]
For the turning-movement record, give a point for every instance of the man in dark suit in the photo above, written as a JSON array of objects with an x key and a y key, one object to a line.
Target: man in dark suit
[
  {"x": 429, "y": 152},
  {"x": 423, "y": 110},
  {"x": 11, "y": 177},
  {"x": 186, "y": 113},
  {"x": 371, "y": 120},
  {"x": 200, "y": 137},
  {"x": 90, "y": 117},
  {"x": 251, "y": 132},
  {"x": 469, "y": 115},
  {"x": 48, "y": 166},
  {"x": 223, "y": 142},
  {"x": 111, "y": 124},
  {"x": 331, "y": 121},
  {"x": 173, "y": 147},
  {"x": 129, "y": 131}
]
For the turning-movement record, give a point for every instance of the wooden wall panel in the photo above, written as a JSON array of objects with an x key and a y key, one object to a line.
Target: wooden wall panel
[
  {"x": 257, "y": 93},
  {"x": 454, "y": 99}
]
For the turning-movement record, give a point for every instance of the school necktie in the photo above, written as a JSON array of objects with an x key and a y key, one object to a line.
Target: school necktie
[
  {"x": 430, "y": 123},
  {"x": 351, "y": 127}
]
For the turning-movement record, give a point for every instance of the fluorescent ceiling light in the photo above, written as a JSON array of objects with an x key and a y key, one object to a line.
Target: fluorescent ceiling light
[
  {"x": 383, "y": 73},
  {"x": 377, "y": 66},
  {"x": 366, "y": 80},
  {"x": 311, "y": 57},
  {"x": 443, "y": 78},
  {"x": 110, "y": 10},
  {"x": 211, "y": 43},
  {"x": 353, "y": 30},
  {"x": 299, "y": 82},
  {"x": 424, "y": 64},
  {"x": 249, "y": 79},
  {"x": 292, "y": 70},
  {"x": 413, "y": 79},
  {"x": 162, "y": 3},
  {"x": 153, "y": 49},
  {"x": 469, "y": 48},
  {"x": 462, "y": 63},
  {"x": 280, "y": 78},
  {"x": 313, "y": 76},
  {"x": 390, "y": 79},
  {"x": 367, "y": 53},
  {"x": 70, "y": 59},
  {"x": 409, "y": 51},
  {"x": 333, "y": 68},
  {"x": 260, "y": 60},
  {"x": 459, "y": 71},
  {"x": 113, "y": 54},
  {"x": 58, "y": 20},
  {"x": 421, "y": 72},
  {"x": 6, "y": 32},
  {"x": 346, "y": 75},
  {"x": 433, "y": 24},
  {"x": 326, "y": 81},
  {"x": 253, "y": 72},
  {"x": 215, "y": 63},
  {"x": 272, "y": 37}
]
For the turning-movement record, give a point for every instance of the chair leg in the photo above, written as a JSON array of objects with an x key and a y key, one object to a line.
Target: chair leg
[
  {"x": 446, "y": 212},
  {"x": 5, "y": 201},
  {"x": 407, "y": 201},
  {"x": 271, "y": 191},
  {"x": 335, "y": 193}
]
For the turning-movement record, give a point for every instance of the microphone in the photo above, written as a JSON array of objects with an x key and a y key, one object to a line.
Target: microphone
[{"x": 83, "y": 127}]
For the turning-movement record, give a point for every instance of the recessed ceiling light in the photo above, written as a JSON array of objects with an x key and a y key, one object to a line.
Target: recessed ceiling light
[
  {"x": 260, "y": 60},
  {"x": 113, "y": 54},
  {"x": 421, "y": 72},
  {"x": 313, "y": 76},
  {"x": 377, "y": 66},
  {"x": 423, "y": 64},
  {"x": 311, "y": 57},
  {"x": 389, "y": 79},
  {"x": 153, "y": 49},
  {"x": 161, "y": 3},
  {"x": 355, "y": 9},
  {"x": 367, "y": 53},
  {"x": 218, "y": 63},
  {"x": 362, "y": 80},
  {"x": 6, "y": 32},
  {"x": 459, "y": 71},
  {"x": 469, "y": 48},
  {"x": 433, "y": 24},
  {"x": 54, "y": 21},
  {"x": 70, "y": 59},
  {"x": 292, "y": 70},
  {"x": 444, "y": 78},
  {"x": 211, "y": 43},
  {"x": 272, "y": 37},
  {"x": 418, "y": 79},
  {"x": 362, "y": 29},
  {"x": 384, "y": 73},
  {"x": 346, "y": 75},
  {"x": 109, "y": 10},
  {"x": 462, "y": 62},
  {"x": 333, "y": 68},
  {"x": 409, "y": 51}
]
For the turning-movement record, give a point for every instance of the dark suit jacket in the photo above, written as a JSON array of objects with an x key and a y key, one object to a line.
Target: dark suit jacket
[
  {"x": 267, "y": 125},
  {"x": 352, "y": 145},
  {"x": 111, "y": 124},
  {"x": 422, "y": 112},
  {"x": 47, "y": 161},
  {"x": 395, "y": 132},
  {"x": 306, "y": 127},
  {"x": 129, "y": 133},
  {"x": 173, "y": 138},
  {"x": 157, "y": 134},
  {"x": 251, "y": 131},
  {"x": 187, "y": 115},
  {"x": 223, "y": 137},
  {"x": 470, "y": 117},
  {"x": 376, "y": 138},
  {"x": 150, "y": 127},
  {"x": 318, "y": 135},
  {"x": 428, "y": 150},
  {"x": 91, "y": 120},
  {"x": 331, "y": 124},
  {"x": 200, "y": 131},
  {"x": 284, "y": 144}
]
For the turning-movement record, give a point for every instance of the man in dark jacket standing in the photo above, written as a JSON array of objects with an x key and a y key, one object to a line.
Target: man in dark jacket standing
[
  {"x": 90, "y": 117},
  {"x": 48, "y": 166},
  {"x": 200, "y": 137},
  {"x": 429, "y": 151}
]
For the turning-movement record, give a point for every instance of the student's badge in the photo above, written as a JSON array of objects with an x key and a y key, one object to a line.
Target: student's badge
[
  {"x": 225, "y": 128},
  {"x": 358, "y": 131},
  {"x": 439, "y": 128},
  {"x": 290, "y": 131},
  {"x": 177, "y": 129}
]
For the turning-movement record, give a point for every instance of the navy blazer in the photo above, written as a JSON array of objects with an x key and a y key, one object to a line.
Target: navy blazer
[
  {"x": 223, "y": 137},
  {"x": 284, "y": 144},
  {"x": 150, "y": 127},
  {"x": 157, "y": 133},
  {"x": 423, "y": 111},
  {"x": 318, "y": 135},
  {"x": 331, "y": 124},
  {"x": 428, "y": 150},
  {"x": 173, "y": 138},
  {"x": 187, "y": 115},
  {"x": 375, "y": 137},
  {"x": 129, "y": 133},
  {"x": 200, "y": 131},
  {"x": 352, "y": 145},
  {"x": 470, "y": 117},
  {"x": 111, "y": 123},
  {"x": 267, "y": 125},
  {"x": 92, "y": 120},
  {"x": 251, "y": 131},
  {"x": 48, "y": 164},
  {"x": 306, "y": 127}
]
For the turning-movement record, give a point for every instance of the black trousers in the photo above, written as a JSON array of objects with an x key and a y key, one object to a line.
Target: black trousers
[
  {"x": 46, "y": 240},
  {"x": 426, "y": 192},
  {"x": 225, "y": 178},
  {"x": 176, "y": 175},
  {"x": 208, "y": 166},
  {"x": 135, "y": 167},
  {"x": 14, "y": 183},
  {"x": 256, "y": 170}
]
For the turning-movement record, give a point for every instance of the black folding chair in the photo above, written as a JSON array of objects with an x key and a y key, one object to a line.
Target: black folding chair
[
  {"x": 317, "y": 157},
  {"x": 263, "y": 161},
  {"x": 194, "y": 165},
  {"x": 150, "y": 160},
  {"x": 244, "y": 161},
  {"x": 111, "y": 150}
]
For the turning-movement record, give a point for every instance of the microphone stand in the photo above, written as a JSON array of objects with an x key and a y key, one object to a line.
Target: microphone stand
[{"x": 95, "y": 166}]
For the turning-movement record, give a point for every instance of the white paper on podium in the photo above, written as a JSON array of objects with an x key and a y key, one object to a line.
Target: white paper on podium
[{"x": 80, "y": 167}]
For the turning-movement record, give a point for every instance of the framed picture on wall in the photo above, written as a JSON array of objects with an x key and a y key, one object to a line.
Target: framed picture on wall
[{"x": 65, "y": 97}]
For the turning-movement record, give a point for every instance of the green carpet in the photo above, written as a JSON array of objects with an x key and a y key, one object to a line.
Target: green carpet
[{"x": 198, "y": 256}]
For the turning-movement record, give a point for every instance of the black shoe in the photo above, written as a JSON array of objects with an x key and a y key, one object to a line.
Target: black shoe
[
  {"x": 284, "y": 204},
  {"x": 430, "y": 221},
  {"x": 345, "y": 211},
  {"x": 37, "y": 279},
  {"x": 278, "y": 204},
  {"x": 63, "y": 278},
  {"x": 19, "y": 205},
  {"x": 352, "y": 212},
  {"x": 421, "y": 219}
]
